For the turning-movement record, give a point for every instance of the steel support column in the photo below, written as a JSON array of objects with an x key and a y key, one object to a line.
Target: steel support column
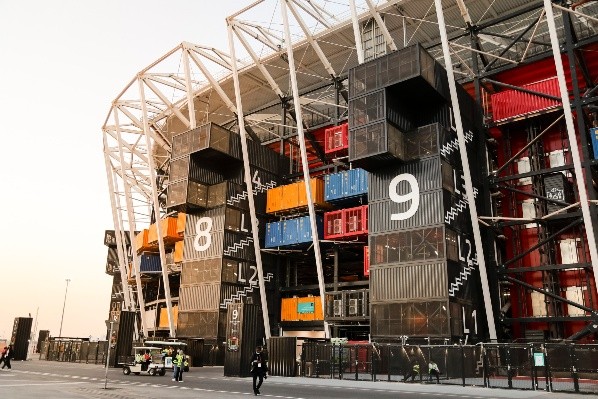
[{"x": 466, "y": 172}]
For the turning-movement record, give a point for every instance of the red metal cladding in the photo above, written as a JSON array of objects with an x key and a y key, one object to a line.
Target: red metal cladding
[
  {"x": 336, "y": 139},
  {"x": 366, "y": 261},
  {"x": 511, "y": 103},
  {"x": 346, "y": 224}
]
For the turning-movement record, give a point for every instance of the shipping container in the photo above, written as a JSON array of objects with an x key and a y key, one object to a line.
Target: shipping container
[
  {"x": 112, "y": 267},
  {"x": 404, "y": 246},
  {"x": 239, "y": 293},
  {"x": 186, "y": 195},
  {"x": 348, "y": 305},
  {"x": 201, "y": 271},
  {"x": 232, "y": 194},
  {"x": 179, "y": 247},
  {"x": 198, "y": 324},
  {"x": 557, "y": 187},
  {"x": 163, "y": 319},
  {"x": 282, "y": 353},
  {"x": 224, "y": 218},
  {"x": 142, "y": 244},
  {"x": 180, "y": 223},
  {"x": 349, "y": 185},
  {"x": 198, "y": 297},
  {"x": 412, "y": 282},
  {"x": 408, "y": 63},
  {"x": 274, "y": 234},
  {"x": 513, "y": 103},
  {"x": 594, "y": 140},
  {"x": 149, "y": 263},
  {"x": 210, "y": 140},
  {"x": 375, "y": 145},
  {"x": 170, "y": 234},
  {"x": 21, "y": 334},
  {"x": 346, "y": 224},
  {"x": 413, "y": 319},
  {"x": 217, "y": 244},
  {"x": 292, "y": 197},
  {"x": 265, "y": 158},
  {"x": 366, "y": 261},
  {"x": 336, "y": 139},
  {"x": 124, "y": 336},
  {"x": 110, "y": 238},
  {"x": 42, "y": 337},
  {"x": 301, "y": 309},
  {"x": 298, "y": 230},
  {"x": 244, "y": 331}
]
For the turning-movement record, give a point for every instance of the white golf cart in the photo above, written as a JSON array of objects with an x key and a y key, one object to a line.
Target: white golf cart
[
  {"x": 165, "y": 346},
  {"x": 152, "y": 366}
]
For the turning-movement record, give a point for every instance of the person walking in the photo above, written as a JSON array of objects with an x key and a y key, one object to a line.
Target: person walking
[
  {"x": 433, "y": 371},
  {"x": 178, "y": 363},
  {"x": 7, "y": 356},
  {"x": 259, "y": 368},
  {"x": 2, "y": 358},
  {"x": 413, "y": 371}
]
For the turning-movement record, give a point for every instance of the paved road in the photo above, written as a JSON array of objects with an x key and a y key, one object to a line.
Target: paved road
[{"x": 37, "y": 379}]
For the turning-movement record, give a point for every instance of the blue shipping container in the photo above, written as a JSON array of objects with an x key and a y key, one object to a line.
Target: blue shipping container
[
  {"x": 290, "y": 232},
  {"x": 346, "y": 184},
  {"x": 273, "y": 235},
  {"x": 298, "y": 230},
  {"x": 594, "y": 137},
  {"x": 150, "y": 264}
]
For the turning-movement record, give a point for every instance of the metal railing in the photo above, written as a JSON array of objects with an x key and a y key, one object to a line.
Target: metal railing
[{"x": 554, "y": 367}]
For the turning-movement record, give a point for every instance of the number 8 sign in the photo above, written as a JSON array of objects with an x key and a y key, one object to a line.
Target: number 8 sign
[
  {"x": 412, "y": 196},
  {"x": 203, "y": 233}
]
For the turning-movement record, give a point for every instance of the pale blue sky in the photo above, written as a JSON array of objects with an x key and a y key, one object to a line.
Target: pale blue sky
[{"x": 62, "y": 62}]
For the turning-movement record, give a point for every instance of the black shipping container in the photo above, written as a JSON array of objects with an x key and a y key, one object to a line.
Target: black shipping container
[
  {"x": 282, "y": 354},
  {"x": 374, "y": 145},
  {"x": 244, "y": 331},
  {"x": 21, "y": 334},
  {"x": 414, "y": 319},
  {"x": 210, "y": 140},
  {"x": 557, "y": 187},
  {"x": 202, "y": 324},
  {"x": 41, "y": 338},
  {"x": 218, "y": 244},
  {"x": 112, "y": 262},
  {"x": 110, "y": 238},
  {"x": 195, "y": 350},
  {"x": 124, "y": 336}
]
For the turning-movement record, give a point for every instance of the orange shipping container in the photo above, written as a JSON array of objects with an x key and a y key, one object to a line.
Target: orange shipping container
[
  {"x": 164, "y": 316},
  {"x": 290, "y": 196},
  {"x": 289, "y": 309},
  {"x": 317, "y": 193},
  {"x": 274, "y": 199},
  {"x": 169, "y": 231},
  {"x": 301, "y": 309},
  {"x": 178, "y": 251},
  {"x": 180, "y": 223},
  {"x": 141, "y": 242}
]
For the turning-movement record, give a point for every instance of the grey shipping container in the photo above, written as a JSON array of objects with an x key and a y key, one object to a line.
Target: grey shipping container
[
  {"x": 244, "y": 330},
  {"x": 210, "y": 140},
  {"x": 408, "y": 282},
  {"x": 186, "y": 195},
  {"x": 124, "y": 335},
  {"x": 237, "y": 293},
  {"x": 199, "y": 297}
]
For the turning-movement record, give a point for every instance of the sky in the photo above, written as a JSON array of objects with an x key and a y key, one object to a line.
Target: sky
[{"x": 62, "y": 63}]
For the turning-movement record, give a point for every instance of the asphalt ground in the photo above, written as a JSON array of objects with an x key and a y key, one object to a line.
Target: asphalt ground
[{"x": 39, "y": 379}]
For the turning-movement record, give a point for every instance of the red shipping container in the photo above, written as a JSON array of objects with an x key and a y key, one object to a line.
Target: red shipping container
[
  {"x": 512, "y": 103},
  {"x": 336, "y": 138},
  {"x": 346, "y": 223}
]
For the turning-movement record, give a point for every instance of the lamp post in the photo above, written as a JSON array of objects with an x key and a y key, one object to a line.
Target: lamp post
[
  {"x": 63, "y": 306},
  {"x": 108, "y": 354}
]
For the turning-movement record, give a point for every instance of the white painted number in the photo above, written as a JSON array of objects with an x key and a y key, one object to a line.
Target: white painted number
[
  {"x": 465, "y": 258},
  {"x": 256, "y": 180},
  {"x": 252, "y": 279},
  {"x": 203, "y": 233},
  {"x": 235, "y": 314},
  {"x": 475, "y": 322},
  {"x": 413, "y": 196}
]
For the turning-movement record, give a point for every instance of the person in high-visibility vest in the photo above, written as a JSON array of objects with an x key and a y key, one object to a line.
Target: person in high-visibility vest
[
  {"x": 413, "y": 371},
  {"x": 178, "y": 363}
]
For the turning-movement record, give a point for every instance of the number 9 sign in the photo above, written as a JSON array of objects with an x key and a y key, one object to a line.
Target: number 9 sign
[{"x": 412, "y": 196}]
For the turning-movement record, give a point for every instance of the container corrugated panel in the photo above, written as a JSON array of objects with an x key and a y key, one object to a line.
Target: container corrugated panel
[
  {"x": 203, "y": 246},
  {"x": 282, "y": 353},
  {"x": 124, "y": 337},
  {"x": 169, "y": 231},
  {"x": 346, "y": 184},
  {"x": 371, "y": 143},
  {"x": 429, "y": 213},
  {"x": 237, "y": 293},
  {"x": 309, "y": 308},
  {"x": 233, "y": 194},
  {"x": 414, "y": 319},
  {"x": 336, "y": 138},
  {"x": 346, "y": 223},
  {"x": 290, "y": 196},
  {"x": 366, "y": 261},
  {"x": 427, "y": 173},
  {"x": 244, "y": 331},
  {"x": 150, "y": 264},
  {"x": 274, "y": 199},
  {"x": 163, "y": 317},
  {"x": 110, "y": 238},
  {"x": 512, "y": 103},
  {"x": 367, "y": 109},
  {"x": 273, "y": 234},
  {"x": 181, "y": 145},
  {"x": 263, "y": 157},
  {"x": 203, "y": 171},
  {"x": 199, "y": 297},
  {"x": 179, "y": 169},
  {"x": 198, "y": 324},
  {"x": 456, "y": 211},
  {"x": 201, "y": 271},
  {"x": 290, "y": 232},
  {"x": 408, "y": 282},
  {"x": 180, "y": 224},
  {"x": 317, "y": 193},
  {"x": 304, "y": 227},
  {"x": 21, "y": 334},
  {"x": 238, "y": 246},
  {"x": 288, "y": 311}
]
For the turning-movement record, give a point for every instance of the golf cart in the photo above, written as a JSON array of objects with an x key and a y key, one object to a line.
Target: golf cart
[
  {"x": 148, "y": 359},
  {"x": 165, "y": 347}
]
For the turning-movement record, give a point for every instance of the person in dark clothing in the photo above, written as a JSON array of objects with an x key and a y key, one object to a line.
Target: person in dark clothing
[
  {"x": 259, "y": 368},
  {"x": 413, "y": 371},
  {"x": 3, "y": 354},
  {"x": 7, "y": 356}
]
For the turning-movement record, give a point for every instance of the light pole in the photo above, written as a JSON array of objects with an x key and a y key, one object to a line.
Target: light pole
[
  {"x": 108, "y": 354},
  {"x": 63, "y": 306}
]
